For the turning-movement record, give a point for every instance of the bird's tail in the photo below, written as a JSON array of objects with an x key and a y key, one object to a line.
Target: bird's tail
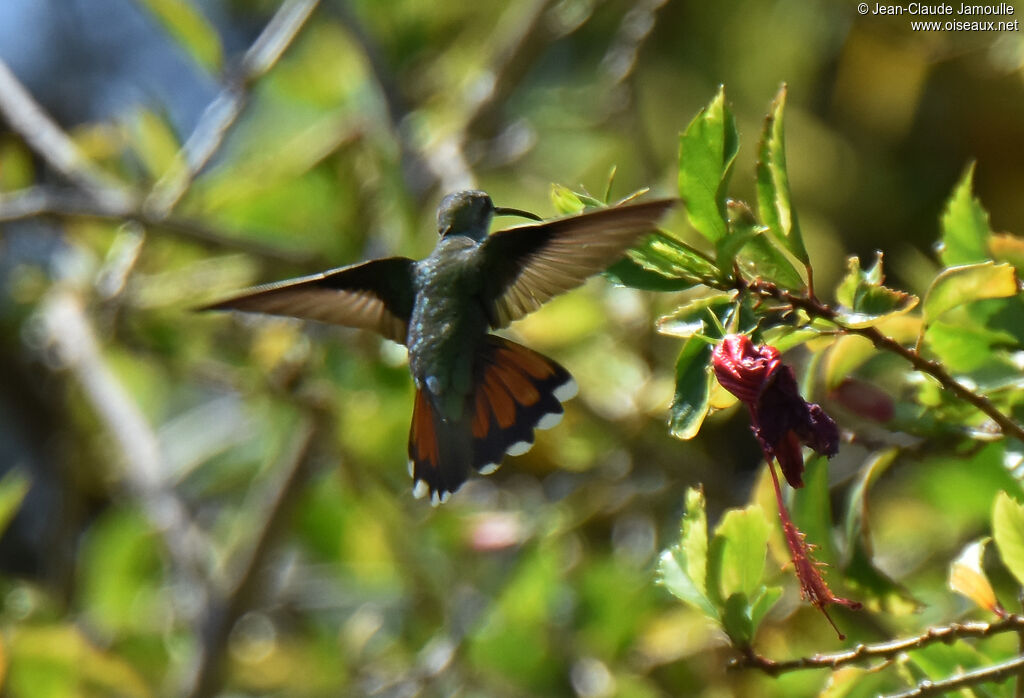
[{"x": 516, "y": 390}]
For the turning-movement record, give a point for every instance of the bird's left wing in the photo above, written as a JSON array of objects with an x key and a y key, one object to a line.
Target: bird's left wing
[
  {"x": 376, "y": 295},
  {"x": 524, "y": 267}
]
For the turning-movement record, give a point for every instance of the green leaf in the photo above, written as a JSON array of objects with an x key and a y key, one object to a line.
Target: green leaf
[
  {"x": 694, "y": 318},
  {"x": 965, "y": 230},
  {"x": 673, "y": 259},
  {"x": 738, "y": 551},
  {"x": 847, "y": 354},
  {"x": 962, "y": 347},
  {"x": 565, "y": 201},
  {"x": 694, "y": 537},
  {"x": 626, "y": 272},
  {"x": 736, "y": 620},
  {"x": 812, "y": 509},
  {"x": 762, "y": 603},
  {"x": 707, "y": 150},
  {"x": 154, "y": 143},
  {"x": 972, "y": 282},
  {"x": 760, "y": 257},
  {"x": 682, "y": 569},
  {"x": 1008, "y": 532},
  {"x": 864, "y": 301},
  {"x": 693, "y": 389},
  {"x": 13, "y": 488},
  {"x": 774, "y": 199},
  {"x": 190, "y": 28}
]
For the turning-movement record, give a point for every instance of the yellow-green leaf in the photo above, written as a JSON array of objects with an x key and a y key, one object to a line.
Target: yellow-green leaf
[
  {"x": 967, "y": 577},
  {"x": 774, "y": 199},
  {"x": 1008, "y": 532},
  {"x": 964, "y": 284},
  {"x": 190, "y": 29},
  {"x": 707, "y": 150},
  {"x": 965, "y": 228}
]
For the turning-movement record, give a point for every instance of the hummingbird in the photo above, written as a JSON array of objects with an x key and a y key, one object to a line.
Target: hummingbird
[{"x": 479, "y": 396}]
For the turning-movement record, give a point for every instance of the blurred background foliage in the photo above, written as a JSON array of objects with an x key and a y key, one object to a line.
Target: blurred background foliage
[{"x": 202, "y": 504}]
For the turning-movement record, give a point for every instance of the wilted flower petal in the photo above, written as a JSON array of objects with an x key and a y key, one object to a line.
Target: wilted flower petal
[
  {"x": 780, "y": 418},
  {"x": 783, "y": 422}
]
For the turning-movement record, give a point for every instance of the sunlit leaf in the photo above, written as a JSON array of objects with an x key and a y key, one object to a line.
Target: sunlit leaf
[
  {"x": 626, "y": 272},
  {"x": 773, "y": 192},
  {"x": 967, "y": 577},
  {"x": 972, "y": 282},
  {"x": 1007, "y": 248},
  {"x": 707, "y": 150},
  {"x": 738, "y": 551},
  {"x": 695, "y": 317},
  {"x": 693, "y": 389},
  {"x": 682, "y": 569},
  {"x": 565, "y": 200},
  {"x": 965, "y": 228},
  {"x": 673, "y": 259},
  {"x": 694, "y": 537},
  {"x": 183, "y": 21},
  {"x": 864, "y": 301},
  {"x": 1008, "y": 532}
]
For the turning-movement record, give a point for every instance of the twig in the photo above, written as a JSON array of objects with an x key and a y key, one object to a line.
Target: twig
[
  {"x": 222, "y": 113},
  {"x": 816, "y": 308},
  {"x": 994, "y": 673},
  {"x": 444, "y": 164},
  {"x": 222, "y": 613},
  {"x": 67, "y": 328},
  {"x": 45, "y": 137},
  {"x": 41, "y": 202},
  {"x": 882, "y": 650}
]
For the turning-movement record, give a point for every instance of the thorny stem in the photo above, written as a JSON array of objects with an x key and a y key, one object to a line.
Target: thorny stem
[
  {"x": 815, "y": 308},
  {"x": 813, "y": 587},
  {"x": 881, "y": 650}
]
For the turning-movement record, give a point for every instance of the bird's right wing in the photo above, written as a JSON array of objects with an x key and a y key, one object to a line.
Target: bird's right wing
[
  {"x": 376, "y": 295},
  {"x": 526, "y": 266}
]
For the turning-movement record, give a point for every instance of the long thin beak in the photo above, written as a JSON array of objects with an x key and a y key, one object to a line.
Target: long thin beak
[{"x": 501, "y": 211}]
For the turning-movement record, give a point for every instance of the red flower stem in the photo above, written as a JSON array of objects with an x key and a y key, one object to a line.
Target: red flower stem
[{"x": 813, "y": 587}]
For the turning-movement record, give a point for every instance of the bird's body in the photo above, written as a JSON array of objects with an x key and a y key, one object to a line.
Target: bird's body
[
  {"x": 448, "y": 322},
  {"x": 478, "y": 396}
]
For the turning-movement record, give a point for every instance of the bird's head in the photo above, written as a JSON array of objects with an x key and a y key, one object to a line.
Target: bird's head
[{"x": 470, "y": 212}]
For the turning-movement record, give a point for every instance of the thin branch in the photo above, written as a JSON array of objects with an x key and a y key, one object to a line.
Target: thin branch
[
  {"x": 222, "y": 113},
  {"x": 882, "y": 650},
  {"x": 995, "y": 673},
  {"x": 444, "y": 164},
  {"x": 43, "y": 202},
  {"x": 41, "y": 133},
  {"x": 222, "y": 613},
  {"x": 815, "y": 308},
  {"x": 66, "y": 327}
]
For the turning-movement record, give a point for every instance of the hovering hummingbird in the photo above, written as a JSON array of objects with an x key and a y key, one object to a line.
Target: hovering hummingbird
[{"x": 478, "y": 396}]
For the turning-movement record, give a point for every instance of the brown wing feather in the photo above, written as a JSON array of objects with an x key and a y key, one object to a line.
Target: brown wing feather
[
  {"x": 376, "y": 295},
  {"x": 528, "y": 265}
]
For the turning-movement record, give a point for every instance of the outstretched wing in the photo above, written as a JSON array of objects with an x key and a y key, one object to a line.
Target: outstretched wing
[
  {"x": 376, "y": 295},
  {"x": 525, "y": 267}
]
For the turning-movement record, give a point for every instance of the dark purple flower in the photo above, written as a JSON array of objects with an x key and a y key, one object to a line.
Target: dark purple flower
[
  {"x": 780, "y": 418},
  {"x": 782, "y": 421}
]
